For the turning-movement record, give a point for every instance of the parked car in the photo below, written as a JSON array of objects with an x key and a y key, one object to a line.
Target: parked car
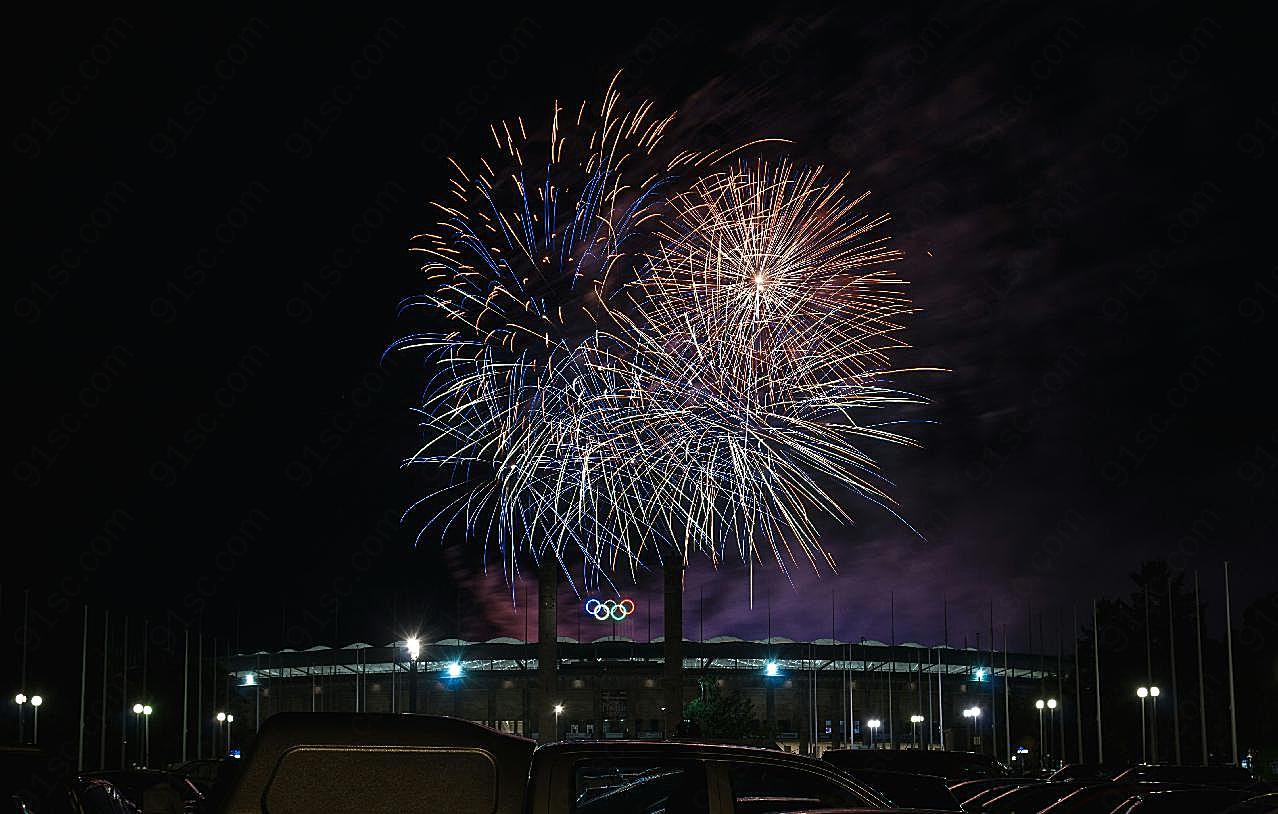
[
  {"x": 331, "y": 762},
  {"x": 909, "y": 790},
  {"x": 1207, "y": 800},
  {"x": 1101, "y": 798},
  {"x": 1262, "y": 804},
  {"x": 1225, "y": 776},
  {"x": 1088, "y": 771},
  {"x": 33, "y": 782},
  {"x": 152, "y": 791},
  {"x": 966, "y": 791},
  {"x": 950, "y": 765},
  {"x": 1029, "y": 798}
]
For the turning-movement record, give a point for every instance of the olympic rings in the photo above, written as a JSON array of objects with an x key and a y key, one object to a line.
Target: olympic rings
[{"x": 608, "y": 609}]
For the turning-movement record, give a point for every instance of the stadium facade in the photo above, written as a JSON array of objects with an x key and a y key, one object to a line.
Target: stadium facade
[{"x": 813, "y": 695}]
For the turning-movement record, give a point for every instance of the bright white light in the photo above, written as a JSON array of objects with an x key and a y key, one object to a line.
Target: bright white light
[
  {"x": 980, "y": 673},
  {"x": 454, "y": 670},
  {"x": 249, "y": 680},
  {"x": 414, "y": 646},
  {"x": 559, "y": 709},
  {"x": 19, "y": 699},
  {"x": 1141, "y": 692},
  {"x": 1039, "y": 704},
  {"x": 230, "y": 718},
  {"x": 1051, "y": 703},
  {"x": 221, "y": 717},
  {"x": 146, "y": 710},
  {"x": 137, "y": 709},
  {"x": 771, "y": 669},
  {"x": 874, "y": 723},
  {"x": 972, "y": 712},
  {"x": 916, "y": 719},
  {"x": 1154, "y": 691},
  {"x": 36, "y": 700}
]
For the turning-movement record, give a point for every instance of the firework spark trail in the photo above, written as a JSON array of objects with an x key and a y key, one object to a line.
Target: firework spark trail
[{"x": 626, "y": 369}]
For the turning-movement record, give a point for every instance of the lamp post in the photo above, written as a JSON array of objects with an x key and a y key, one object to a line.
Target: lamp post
[
  {"x": 1142, "y": 693},
  {"x": 559, "y": 710},
  {"x": 20, "y": 699},
  {"x": 137, "y": 720},
  {"x": 1154, "y": 692},
  {"x": 1051, "y": 721},
  {"x": 146, "y": 735},
  {"x": 873, "y": 724},
  {"x": 1040, "y": 705},
  {"x": 972, "y": 714},
  {"x": 36, "y": 701},
  {"x": 414, "y": 646},
  {"x": 916, "y": 720},
  {"x": 224, "y": 720}
]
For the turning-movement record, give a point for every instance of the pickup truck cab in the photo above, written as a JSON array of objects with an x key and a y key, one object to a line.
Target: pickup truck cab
[{"x": 329, "y": 763}]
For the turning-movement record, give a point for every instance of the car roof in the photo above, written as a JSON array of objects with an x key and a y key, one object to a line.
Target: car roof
[{"x": 323, "y": 761}]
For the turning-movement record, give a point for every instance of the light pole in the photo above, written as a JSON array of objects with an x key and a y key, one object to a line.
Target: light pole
[
  {"x": 1040, "y": 705},
  {"x": 1142, "y": 693},
  {"x": 873, "y": 724},
  {"x": 221, "y": 723},
  {"x": 916, "y": 720},
  {"x": 1153, "y": 695},
  {"x": 20, "y": 699},
  {"x": 414, "y": 646},
  {"x": 559, "y": 710},
  {"x": 36, "y": 701},
  {"x": 146, "y": 735},
  {"x": 137, "y": 719},
  {"x": 224, "y": 720},
  {"x": 1051, "y": 720},
  {"x": 972, "y": 714}
]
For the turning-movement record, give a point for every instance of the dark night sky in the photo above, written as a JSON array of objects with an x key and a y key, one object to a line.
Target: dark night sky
[{"x": 213, "y": 218}]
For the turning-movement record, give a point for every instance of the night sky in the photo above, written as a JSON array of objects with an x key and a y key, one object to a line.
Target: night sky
[{"x": 213, "y": 219}]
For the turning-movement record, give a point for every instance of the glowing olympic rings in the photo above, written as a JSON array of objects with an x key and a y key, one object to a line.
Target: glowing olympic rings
[{"x": 609, "y": 609}]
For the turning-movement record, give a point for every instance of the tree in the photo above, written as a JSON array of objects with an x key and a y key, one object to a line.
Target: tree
[{"x": 722, "y": 716}]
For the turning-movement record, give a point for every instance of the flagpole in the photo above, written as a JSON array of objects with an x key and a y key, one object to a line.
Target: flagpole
[
  {"x": 106, "y": 656},
  {"x": 84, "y": 685},
  {"x": 1229, "y": 652},
  {"x": 1202, "y": 693},
  {"x": 1171, "y": 641},
  {"x": 1100, "y": 737},
  {"x": 1078, "y": 690},
  {"x": 186, "y": 690}
]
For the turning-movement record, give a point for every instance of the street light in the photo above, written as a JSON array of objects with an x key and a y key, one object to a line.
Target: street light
[
  {"x": 559, "y": 710},
  {"x": 873, "y": 724},
  {"x": 1142, "y": 693},
  {"x": 224, "y": 720},
  {"x": 972, "y": 714},
  {"x": 454, "y": 669},
  {"x": 20, "y": 699},
  {"x": 1040, "y": 705},
  {"x": 916, "y": 720},
  {"x": 1154, "y": 692},
  {"x": 146, "y": 734},
  {"x": 36, "y": 701},
  {"x": 414, "y": 646},
  {"x": 771, "y": 670},
  {"x": 137, "y": 720},
  {"x": 1051, "y": 721}
]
